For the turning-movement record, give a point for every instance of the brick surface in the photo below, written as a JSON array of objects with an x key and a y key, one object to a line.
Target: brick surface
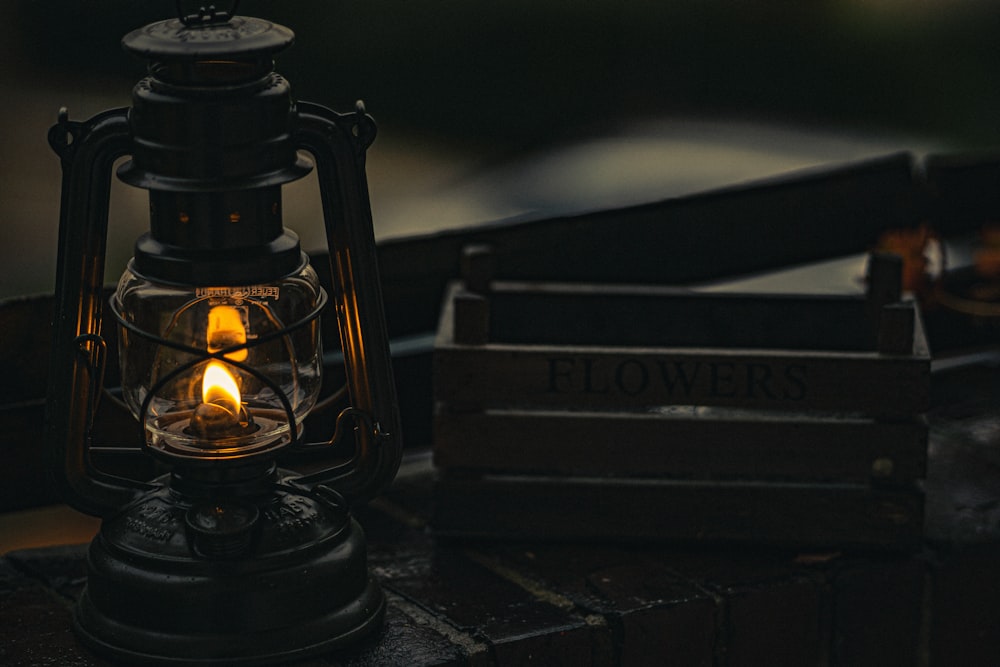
[
  {"x": 965, "y": 613},
  {"x": 518, "y": 627},
  {"x": 483, "y": 604},
  {"x": 773, "y": 603},
  {"x": 780, "y": 624},
  {"x": 35, "y": 625},
  {"x": 62, "y": 569},
  {"x": 652, "y": 614},
  {"x": 407, "y": 639},
  {"x": 878, "y": 612}
]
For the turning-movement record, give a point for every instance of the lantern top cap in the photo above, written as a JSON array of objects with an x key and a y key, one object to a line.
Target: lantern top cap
[{"x": 236, "y": 38}]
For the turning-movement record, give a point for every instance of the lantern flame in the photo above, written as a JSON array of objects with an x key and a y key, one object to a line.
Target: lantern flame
[{"x": 219, "y": 387}]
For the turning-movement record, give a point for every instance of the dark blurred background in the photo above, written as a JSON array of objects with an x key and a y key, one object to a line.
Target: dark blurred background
[
  {"x": 472, "y": 92},
  {"x": 517, "y": 72}
]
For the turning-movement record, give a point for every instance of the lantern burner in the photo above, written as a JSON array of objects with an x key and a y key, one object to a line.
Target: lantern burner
[
  {"x": 205, "y": 433},
  {"x": 214, "y": 422}
]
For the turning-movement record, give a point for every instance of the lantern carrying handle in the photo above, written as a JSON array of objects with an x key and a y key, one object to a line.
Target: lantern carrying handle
[
  {"x": 87, "y": 151},
  {"x": 338, "y": 143}
]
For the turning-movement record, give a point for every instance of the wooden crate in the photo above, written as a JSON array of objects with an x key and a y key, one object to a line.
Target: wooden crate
[{"x": 638, "y": 412}]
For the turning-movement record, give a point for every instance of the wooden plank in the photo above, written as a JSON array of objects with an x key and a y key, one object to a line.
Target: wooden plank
[
  {"x": 964, "y": 190},
  {"x": 695, "y": 443},
  {"x": 599, "y": 378},
  {"x": 655, "y": 316},
  {"x": 25, "y": 342},
  {"x": 26, "y": 477},
  {"x": 799, "y": 515},
  {"x": 795, "y": 219},
  {"x": 573, "y": 361},
  {"x": 24, "y": 480}
]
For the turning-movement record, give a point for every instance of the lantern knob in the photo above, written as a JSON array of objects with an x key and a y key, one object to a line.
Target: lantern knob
[
  {"x": 222, "y": 529},
  {"x": 206, "y": 14}
]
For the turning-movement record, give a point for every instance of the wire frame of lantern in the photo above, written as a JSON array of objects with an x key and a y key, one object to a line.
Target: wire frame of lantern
[{"x": 220, "y": 372}]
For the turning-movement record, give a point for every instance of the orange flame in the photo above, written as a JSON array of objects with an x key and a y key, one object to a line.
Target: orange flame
[{"x": 218, "y": 386}]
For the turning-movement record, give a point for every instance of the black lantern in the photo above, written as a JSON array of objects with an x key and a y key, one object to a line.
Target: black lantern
[{"x": 227, "y": 558}]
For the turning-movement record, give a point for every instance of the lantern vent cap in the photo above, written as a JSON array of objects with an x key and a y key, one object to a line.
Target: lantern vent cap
[{"x": 240, "y": 37}]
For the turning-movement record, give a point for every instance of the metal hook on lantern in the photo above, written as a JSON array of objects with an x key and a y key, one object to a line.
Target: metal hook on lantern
[
  {"x": 362, "y": 420},
  {"x": 94, "y": 360}
]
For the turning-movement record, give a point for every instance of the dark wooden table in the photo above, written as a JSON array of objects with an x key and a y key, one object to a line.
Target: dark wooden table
[{"x": 479, "y": 603}]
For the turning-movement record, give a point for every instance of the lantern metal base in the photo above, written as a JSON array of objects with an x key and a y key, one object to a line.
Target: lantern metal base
[{"x": 271, "y": 578}]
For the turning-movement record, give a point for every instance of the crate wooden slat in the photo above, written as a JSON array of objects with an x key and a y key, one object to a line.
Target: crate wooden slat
[
  {"x": 572, "y": 509},
  {"x": 596, "y": 378},
  {"x": 641, "y": 412},
  {"x": 692, "y": 443},
  {"x": 554, "y": 372}
]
